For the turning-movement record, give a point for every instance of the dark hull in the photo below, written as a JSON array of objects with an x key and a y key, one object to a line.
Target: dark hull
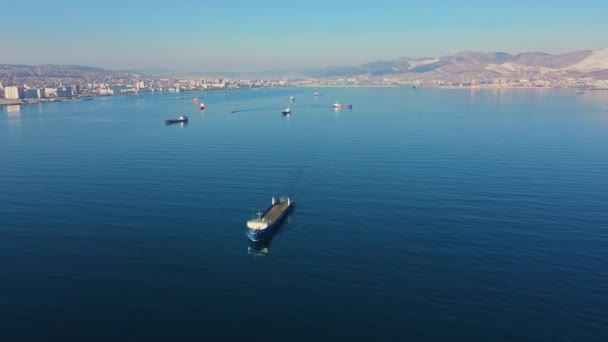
[{"x": 168, "y": 122}]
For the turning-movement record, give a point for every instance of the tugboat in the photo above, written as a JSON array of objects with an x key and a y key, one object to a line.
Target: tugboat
[
  {"x": 182, "y": 118},
  {"x": 286, "y": 111},
  {"x": 265, "y": 224}
]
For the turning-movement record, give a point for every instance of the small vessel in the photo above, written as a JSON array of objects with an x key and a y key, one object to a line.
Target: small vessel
[
  {"x": 345, "y": 106},
  {"x": 182, "y": 118},
  {"x": 292, "y": 98},
  {"x": 318, "y": 94},
  {"x": 286, "y": 111},
  {"x": 264, "y": 225},
  {"x": 233, "y": 111},
  {"x": 195, "y": 100},
  {"x": 201, "y": 106},
  {"x": 580, "y": 92}
]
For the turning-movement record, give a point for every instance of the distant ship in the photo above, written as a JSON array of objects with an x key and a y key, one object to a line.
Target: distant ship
[
  {"x": 292, "y": 98},
  {"x": 318, "y": 94},
  {"x": 264, "y": 225},
  {"x": 286, "y": 111},
  {"x": 182, "y": 118},
  {"x": 580, "y": 92},
  {"x": 345, "y": 106},
  {"x": 195, "y": 100},
  {"x": 201, "y": 106}
]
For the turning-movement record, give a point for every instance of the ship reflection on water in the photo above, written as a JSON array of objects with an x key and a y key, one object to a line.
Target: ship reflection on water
[
  {"x": 259, "y": 248},
  {"x": 262, "y": 247}
]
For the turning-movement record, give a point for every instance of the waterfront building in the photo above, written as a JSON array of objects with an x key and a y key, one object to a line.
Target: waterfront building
[
  {"x": 32, "y": 93},
  {"x": 50, "y": 92},
  {"x": 13, "y": 93},
  {"x": 64, "y": 92}
]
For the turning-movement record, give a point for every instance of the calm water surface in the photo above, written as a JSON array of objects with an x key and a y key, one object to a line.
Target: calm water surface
[{"x": 422, "y": 214}]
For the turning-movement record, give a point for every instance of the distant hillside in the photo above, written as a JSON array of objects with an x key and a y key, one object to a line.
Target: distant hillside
[
  {"x": 495, "y": 64},
  {"x": 47, "y": 70},
  {"x": 469, "y": 64}
]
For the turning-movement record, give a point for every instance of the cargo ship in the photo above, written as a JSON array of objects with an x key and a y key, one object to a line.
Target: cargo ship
[
  {"x": 265, "y": 224},
  {"x": 345, "y": 106},
  {"x": 182, "y": 118}
]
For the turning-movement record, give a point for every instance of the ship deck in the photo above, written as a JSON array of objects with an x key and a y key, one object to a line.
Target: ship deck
[{"x": 275, "y": 212}]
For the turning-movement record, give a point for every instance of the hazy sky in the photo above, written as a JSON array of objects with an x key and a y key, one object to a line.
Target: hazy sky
[{"x": 261, "y": 35}]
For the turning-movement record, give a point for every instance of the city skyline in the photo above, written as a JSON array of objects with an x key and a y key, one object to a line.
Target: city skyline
[{"x": 242, "y": 36}]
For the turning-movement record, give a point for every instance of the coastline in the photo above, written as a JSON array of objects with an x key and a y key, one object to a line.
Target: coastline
[{"x": 6, "y": 102}]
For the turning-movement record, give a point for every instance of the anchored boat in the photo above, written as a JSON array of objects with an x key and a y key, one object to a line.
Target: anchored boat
[
  {"x": 182, "y": 118},
  {"x": 265, "y": 223},
  {"x": 339, "y": 105}
]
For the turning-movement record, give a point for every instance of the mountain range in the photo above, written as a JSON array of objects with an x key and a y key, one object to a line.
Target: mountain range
[
  {"x": 592, "y": 64},
  {"x": 588, "y": 63}
]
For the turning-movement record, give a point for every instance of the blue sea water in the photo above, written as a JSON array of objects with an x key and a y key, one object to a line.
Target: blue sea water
[{"x": 426, "y": 214}]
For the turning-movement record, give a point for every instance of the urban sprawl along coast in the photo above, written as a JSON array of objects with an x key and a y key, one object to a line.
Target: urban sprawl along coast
[
  {"x": 20, "y": 84},
  {"x": 62, "y": 88}
]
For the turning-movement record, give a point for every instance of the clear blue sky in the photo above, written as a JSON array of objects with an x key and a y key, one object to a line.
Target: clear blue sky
[{"x": 260, "y": 35}]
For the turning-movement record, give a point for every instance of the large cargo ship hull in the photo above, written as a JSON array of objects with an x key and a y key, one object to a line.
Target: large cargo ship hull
[{"x": 261, "y": 234}]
